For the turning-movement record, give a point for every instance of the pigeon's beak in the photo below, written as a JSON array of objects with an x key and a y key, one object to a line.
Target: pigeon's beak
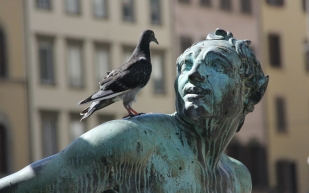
[{"x": 155, "y": 40}]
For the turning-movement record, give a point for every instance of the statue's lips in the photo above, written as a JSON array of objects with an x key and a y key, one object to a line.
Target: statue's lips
[{"x": 196, "y": 91}]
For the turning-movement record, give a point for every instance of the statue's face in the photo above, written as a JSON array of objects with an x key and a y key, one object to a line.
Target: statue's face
[{"x": 208, "y": 84}]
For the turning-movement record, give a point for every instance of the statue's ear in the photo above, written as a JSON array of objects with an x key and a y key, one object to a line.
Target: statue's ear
[
  {"x": 255, "y": 97},
  {"x": 258, "y": 93}
]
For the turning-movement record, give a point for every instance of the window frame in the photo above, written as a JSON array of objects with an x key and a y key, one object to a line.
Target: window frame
[
  {"x": 275, "y": 3},
  {"x": 281, "y": 114},
  {"x": 47, "y": 8},
  {"x": 4, "y": 68},
  {"x": 274, "y": 50},
  {"x": 286, "y": 174},
  {"x": 70, "y": 12},
  {"x": 127, "y": 18},
  {"x": 245, "y": 7},
  {"x": 205, "y": 3},
  {"x": 159, "y": 10},
  {"x": 163, "y": 90},
  {"x": 184, "y": 1},
  {"x": 79, "y": 44},
  {"x": 306, "y": 56},
  {"x": 54, "y": 116},
  {"x": 102, "y": 46},
  {"x": 46, "y": 41},
  {"x": 97, "y": 16},
  {"x": 3, "y": 151}
]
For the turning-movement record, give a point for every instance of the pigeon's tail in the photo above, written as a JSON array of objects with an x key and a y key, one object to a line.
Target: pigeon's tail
[
  {"x": 95, "y": 106},
  {"x": 102, "y": 95},
  {"x": 87, "y": 100}
]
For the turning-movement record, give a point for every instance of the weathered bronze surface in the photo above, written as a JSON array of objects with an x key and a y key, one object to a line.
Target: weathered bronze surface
[{"x": 219, "y": 81}]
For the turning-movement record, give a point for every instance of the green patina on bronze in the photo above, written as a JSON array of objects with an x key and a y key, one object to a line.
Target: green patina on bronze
[{"x": 219, "y": 81}]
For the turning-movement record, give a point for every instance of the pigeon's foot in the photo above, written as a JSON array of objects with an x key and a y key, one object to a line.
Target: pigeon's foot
[{"x": 132, "y": 115}]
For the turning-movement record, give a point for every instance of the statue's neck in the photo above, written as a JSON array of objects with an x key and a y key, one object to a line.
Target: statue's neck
[{"x": 206, "y": 138}]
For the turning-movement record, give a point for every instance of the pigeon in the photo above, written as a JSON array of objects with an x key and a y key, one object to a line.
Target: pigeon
[{"x": 124, "y": 82}]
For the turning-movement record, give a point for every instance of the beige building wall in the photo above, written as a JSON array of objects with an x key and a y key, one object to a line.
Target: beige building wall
[
  {"x": 196, "y": 21},
  {"x": 290, "y": 82},
  {"x": 13, "y": 93},
  {"x": 63, "y": 99}
]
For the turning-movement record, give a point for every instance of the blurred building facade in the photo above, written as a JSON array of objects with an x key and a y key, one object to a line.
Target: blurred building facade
[
  {"x": 14, "y": 130},
  {"x": 70, "y": 47},
  {"x": 285, "y": 59}
]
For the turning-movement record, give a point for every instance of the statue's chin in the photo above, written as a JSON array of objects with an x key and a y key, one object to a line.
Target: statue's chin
[{"x": 195, "y": 112}]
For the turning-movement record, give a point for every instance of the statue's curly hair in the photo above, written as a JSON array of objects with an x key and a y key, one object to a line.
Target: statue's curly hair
[{"x": 250, "y": 71}]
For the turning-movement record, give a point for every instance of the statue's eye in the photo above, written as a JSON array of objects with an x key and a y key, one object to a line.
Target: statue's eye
[
  {"x": 218, "y": 66},
  {"x": 185, "y": 66}
]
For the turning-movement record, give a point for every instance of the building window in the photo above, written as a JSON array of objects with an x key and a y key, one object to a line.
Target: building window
[
  {"x": 46, "y": 61},
  {"x": 205, "y": 3},
  {"x": 49, "y": 127},
  {"x": 249, "y": 155},
  {"x": 75, "y": 64},
  {"x": 245, "y": 6},
  {"x": 274, "y": 50},
  {"x": 128, "y": 10},
  {"x": 3, "y": 150},
  {"x": 281, "y": 115},
  {"x": 286, "y": 176},
  {"x": 185, "y": 42},
  {"x": 3, "y": 62},
  {"x": 275, "y": 2},
  {"x": 77, "y": 127},
  {"x": 43, "y": 4},
  {"x": 102, "y": 61},
  {"x": 100, "y": 9},
  {"x": 73, "y": 6},
  {"x": 306, "y": 56},
  {"x": 157, "y": 60},
  {"x": 226, "y": 5},
  {"x": 155, "y": 11},
  {"x": 184, "y": 1},
  {"x": 105, "y": 118}
]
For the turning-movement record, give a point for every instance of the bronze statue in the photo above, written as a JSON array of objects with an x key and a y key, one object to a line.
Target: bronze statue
[{"x": 219, "y": 81}]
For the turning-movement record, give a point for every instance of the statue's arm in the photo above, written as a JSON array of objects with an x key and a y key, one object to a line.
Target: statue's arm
[{"x": 86, "y": 165}]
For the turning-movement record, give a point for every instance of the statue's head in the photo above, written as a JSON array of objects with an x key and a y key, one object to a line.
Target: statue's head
[{"x": 218, "y": 78}]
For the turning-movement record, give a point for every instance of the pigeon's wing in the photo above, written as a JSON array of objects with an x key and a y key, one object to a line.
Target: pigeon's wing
[
  {"x": 135, "y": 75},
  {"x": 122, "y": 80}
]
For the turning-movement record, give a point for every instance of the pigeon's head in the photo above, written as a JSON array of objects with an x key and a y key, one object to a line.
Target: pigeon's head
[{"x": 149, "y": 36}]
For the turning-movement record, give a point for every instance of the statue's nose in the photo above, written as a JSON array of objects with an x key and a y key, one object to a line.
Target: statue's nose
[{"x": 195, "y": 76}]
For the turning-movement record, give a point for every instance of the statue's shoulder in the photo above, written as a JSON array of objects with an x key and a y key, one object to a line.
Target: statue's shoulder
[
  {"x": 135, "y": 125},
  {"x": 242, "y": 174},
  {"x": 122, "y": 139}
]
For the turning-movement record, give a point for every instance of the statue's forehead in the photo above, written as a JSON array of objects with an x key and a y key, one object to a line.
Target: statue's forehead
[{"x": 200, "y": 49}]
